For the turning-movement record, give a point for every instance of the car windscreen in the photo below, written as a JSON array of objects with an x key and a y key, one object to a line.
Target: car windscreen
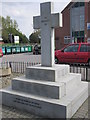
[{"x": 71, "y": 48}]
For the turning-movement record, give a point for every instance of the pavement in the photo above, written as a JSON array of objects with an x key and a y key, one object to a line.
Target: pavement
[{"x": 25, "y": 57}]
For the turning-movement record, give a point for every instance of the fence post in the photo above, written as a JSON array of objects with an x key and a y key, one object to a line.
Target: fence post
[
  {"x": 86, "y": 73},
  {"x": 10, "y": 66},
  {"x": 6, "y": 65},
  {"x": 23, "y": 67}
]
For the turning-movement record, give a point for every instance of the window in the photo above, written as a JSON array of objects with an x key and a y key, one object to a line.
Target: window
[
  {"x": 66, "y": 39},
  {"x": 76, "y": 5},
  {"x": 72, "y": 48},
  {"x": 75, "y": 34},
  {"x": 88, "y": 48},
  {"x": 81, "y": 33},
  {"x": 85, "y": 48},
  {"x": 82, "y": 4},
  {"x": 79, "y": 4},
  {"x": 78, "y": 34}
]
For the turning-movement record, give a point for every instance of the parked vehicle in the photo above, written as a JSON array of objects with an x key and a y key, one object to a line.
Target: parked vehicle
[
  {"x": 74, "y": 53},
  {"x": 37, "y": 49},
  {"x": 1, "y": 52}
]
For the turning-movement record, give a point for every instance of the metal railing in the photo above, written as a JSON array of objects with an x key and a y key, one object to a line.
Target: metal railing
[
  {"x": 4, "y": 65},
  {"x": 20, "y": 67},
  {"x": 84, "y": 70}
]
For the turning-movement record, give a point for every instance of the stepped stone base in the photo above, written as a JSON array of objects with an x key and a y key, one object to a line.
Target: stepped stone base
[{"x": 57, "y": 98}]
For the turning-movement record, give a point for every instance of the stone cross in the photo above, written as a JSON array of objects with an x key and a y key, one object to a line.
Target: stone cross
[{"x": 46, "y": 22}]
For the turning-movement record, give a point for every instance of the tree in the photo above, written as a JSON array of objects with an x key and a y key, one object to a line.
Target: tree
[
  {"x": 10, "y": 27},
  {"x": 11, "y": 23},
  {"x": 15, "y": 25},
  {"x": 0, "y": 26},
  {"x": 5, "y": 36},
  {"x": 35, "y": 37},
  {"x": 3, "y": 23},
  {"x": 8, "y": 21}
]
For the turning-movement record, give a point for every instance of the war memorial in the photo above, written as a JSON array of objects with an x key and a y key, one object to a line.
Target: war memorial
[{"x": 47, "y": 90}]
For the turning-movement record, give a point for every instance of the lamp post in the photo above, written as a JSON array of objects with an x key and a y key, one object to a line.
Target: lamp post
[{"x": 10, "y": 37}]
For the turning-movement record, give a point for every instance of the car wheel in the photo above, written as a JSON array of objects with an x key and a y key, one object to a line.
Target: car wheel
[
  {"x": 89, "y": 62},
  {"x": 56, "y": 60}
]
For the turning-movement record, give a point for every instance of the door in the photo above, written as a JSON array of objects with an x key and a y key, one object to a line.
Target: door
[
  {"x": 83, "y": 54},
  {"x": 69, "y": 54}
]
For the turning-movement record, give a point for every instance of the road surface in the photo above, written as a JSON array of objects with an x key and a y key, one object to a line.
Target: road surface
[{"x": 24, "y": 57}]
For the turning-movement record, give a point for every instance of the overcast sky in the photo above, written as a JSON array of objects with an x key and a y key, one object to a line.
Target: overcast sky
[{"x": 24, "y": 10}]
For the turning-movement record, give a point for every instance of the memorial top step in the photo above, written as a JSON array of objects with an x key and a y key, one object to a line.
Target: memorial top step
[
  {"x": 39, "y": 72},
  {"x": 55, "y": 67}
]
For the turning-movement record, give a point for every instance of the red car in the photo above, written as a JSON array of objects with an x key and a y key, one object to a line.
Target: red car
[
  {"x": 1, "y": 53},
  {"x": 74, "y": 53}
]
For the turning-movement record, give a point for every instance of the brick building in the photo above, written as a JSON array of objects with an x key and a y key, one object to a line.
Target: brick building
[{"x": 75, "y": 24}]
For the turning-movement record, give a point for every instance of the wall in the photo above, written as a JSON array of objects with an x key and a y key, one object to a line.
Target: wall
[
  {"x": 64, "y": 30},
  {"x": 88, "y": 19}
]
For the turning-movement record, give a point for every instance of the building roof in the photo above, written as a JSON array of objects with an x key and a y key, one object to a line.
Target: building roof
[
  {"x": 67, "y": 6},
  {"x": 70, "y": 4}
]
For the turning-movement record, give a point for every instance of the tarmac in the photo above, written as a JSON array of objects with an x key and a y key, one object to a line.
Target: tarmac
[{"x": 10, "y": 112}]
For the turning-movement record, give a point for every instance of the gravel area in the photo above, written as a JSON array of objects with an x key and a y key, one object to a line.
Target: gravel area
[{"x": 6, "y": 81}]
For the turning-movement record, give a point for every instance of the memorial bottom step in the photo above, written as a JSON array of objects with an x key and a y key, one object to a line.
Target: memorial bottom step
[{"x": 42, "y": 106}]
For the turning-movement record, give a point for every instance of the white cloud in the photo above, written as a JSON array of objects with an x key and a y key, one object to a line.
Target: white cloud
[
  {"x": 0, "y": 9},
  {"x": 19, "y": 9},
  {"x": 24, "y": 10},
  {"x": 22, "y": 13}
]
